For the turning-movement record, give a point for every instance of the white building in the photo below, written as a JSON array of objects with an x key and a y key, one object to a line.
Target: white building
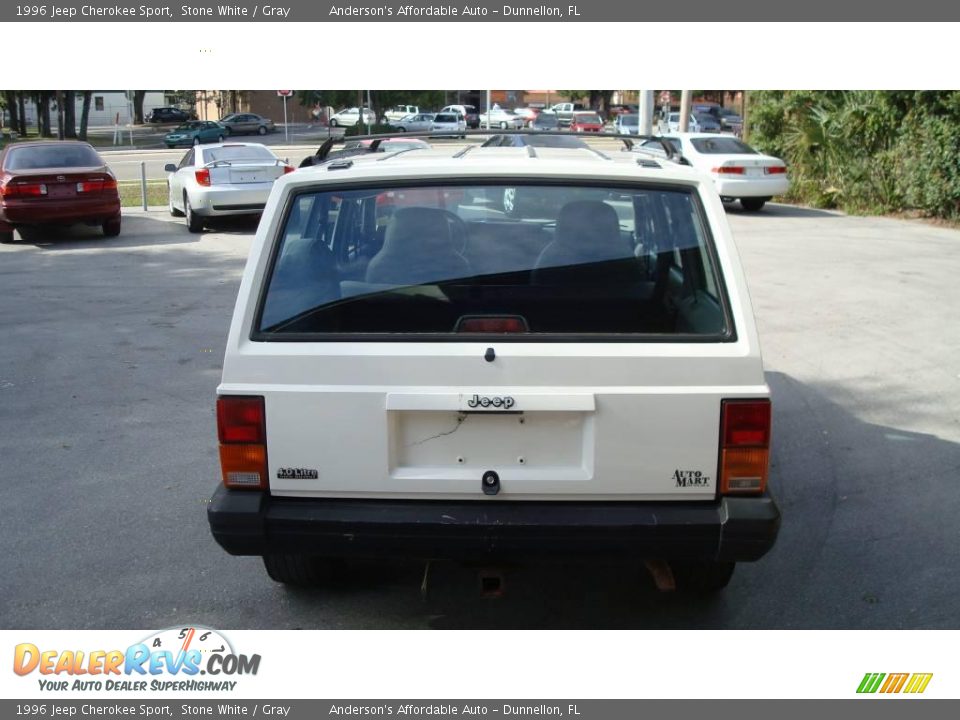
[{"x": 106, "y": 106}]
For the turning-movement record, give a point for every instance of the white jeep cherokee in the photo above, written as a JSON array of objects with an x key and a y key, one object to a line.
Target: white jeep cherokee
[{"x": 412, "y": 372}]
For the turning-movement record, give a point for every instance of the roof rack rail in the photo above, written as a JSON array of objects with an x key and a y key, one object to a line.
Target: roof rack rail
[{"x": 628, "y": 140}]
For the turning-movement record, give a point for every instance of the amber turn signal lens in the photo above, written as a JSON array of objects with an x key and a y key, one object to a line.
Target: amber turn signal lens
[
  {"x": 744, "y": 470},
  {"x": 244, "y": 466}
]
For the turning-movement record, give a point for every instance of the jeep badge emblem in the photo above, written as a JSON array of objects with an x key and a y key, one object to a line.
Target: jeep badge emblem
[{"x": 506, "y": 402}]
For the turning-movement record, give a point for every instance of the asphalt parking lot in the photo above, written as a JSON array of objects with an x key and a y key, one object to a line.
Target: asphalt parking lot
[{"x": 111, "y": 354}]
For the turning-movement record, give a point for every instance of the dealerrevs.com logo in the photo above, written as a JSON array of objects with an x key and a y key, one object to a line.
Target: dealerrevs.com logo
[{"x": 172, "y": 659}]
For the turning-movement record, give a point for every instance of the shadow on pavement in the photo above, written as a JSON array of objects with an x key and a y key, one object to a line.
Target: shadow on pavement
[
  {"x": 781, "y": 210},
  {"x": 138, "y": 230}
]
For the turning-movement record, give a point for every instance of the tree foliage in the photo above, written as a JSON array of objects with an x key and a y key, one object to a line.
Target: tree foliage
[{"x": 865, "y": 150}]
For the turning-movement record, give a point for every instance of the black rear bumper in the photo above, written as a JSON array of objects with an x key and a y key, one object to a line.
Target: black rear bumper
[{"x": 256, "y": 523}]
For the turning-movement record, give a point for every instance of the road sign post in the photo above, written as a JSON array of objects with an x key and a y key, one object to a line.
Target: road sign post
[{"x": 285, "y": 94}]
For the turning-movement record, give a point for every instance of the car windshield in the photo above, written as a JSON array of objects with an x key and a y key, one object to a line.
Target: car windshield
[
  {"x": 629, "y": 119},
  {"x": 446, "y": 118},
  {"x": 189, "y": 126},
  {"x": 34, "y": 157},
  {"x": 229, "y": 118},
  {"x": 232, "y": 153},
  {"x": 587, "y": 119},
  {"x": 450, "y": 260},
  {"x": 546, "y": 120},
  {"x": 721, "y": 146}
]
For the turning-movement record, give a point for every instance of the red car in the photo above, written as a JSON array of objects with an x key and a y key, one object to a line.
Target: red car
[
  {"x": 586, "y": 122},
  {"x": 56, "y": 183}
]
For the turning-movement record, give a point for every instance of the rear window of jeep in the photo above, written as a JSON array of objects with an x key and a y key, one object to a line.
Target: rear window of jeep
[{"x": 454, "y": 262}]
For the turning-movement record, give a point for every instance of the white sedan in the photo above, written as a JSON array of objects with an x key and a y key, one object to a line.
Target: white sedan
[
  {"x": 348, "y": 117},
  {"x": 501, "y": 119},
  {"x": 739, "y": 172},
  {"x": 223, "y": 179}
]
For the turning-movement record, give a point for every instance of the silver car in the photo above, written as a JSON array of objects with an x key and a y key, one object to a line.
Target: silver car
[
  {"x": 222, "y": 179},
  {"x": 421, "y": 122},
  {"x": 449, "y": 123},
  {"x": 247, "y": 124}
]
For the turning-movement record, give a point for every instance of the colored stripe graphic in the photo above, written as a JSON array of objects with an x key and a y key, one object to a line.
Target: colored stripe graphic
[
  {"x": 870, "y": 682},
  {"x": 918, "y": 683},
  {"x": 894, "y": 683}
]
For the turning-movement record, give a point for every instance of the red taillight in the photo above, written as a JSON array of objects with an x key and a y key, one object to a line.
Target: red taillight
[
  {"x": 241, "y": 419},
  {"x": 24, "y": 189},
  {"x": 203, "y": 177},
  {"x": 492, "y": 324},
  {"x": 729, "y": 170},
  {"x": 97, "y": 184},
  {"x": 745, "y": 446},
  {"x": 289, "y": 169},
  {"x": 775, "y": 170},
  {"x": 242, "y": 429}
]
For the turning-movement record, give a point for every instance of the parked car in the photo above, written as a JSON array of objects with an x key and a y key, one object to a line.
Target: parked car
[
  {"x": 432, "y": 380},
  {"x": 527, "y": 114},
  {"x": 622, "y": 109},
  {"x": 470, "y": 115},
  {"x": 500, "y": 118},
  {"x": 565, "y": 111},
  {"x": 671, "y": 123},
  {"x": 449, "y": 122},
  {"x": 546, "y": 120},
  {"x": 626, "y": 124},
  {"x": 168, "y": 115},
  {"x": 348, "y": 117},
  {"x": 707, "y": 123},
  {"x": 586, "y": 122},
  {"x": 224, "y": 179},
  {"x": 196, "y": 132},
  {"x": 739, "y": 172},
  {"x": 421, "y": 122},
  {"x": 729, "y": 120},
  {"x": 398, "y": 112},
  {"x": 56, "y": 183},
  {"x": 247, "y": 124}
]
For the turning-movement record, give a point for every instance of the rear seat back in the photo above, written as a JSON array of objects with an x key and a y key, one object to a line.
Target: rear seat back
[{"x": 503, "y": 247}]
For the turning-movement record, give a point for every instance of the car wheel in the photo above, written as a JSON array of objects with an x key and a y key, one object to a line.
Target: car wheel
[
  {"x": 401, "y": 129},
  {"x": 111, "y": 228},
  {"x": 6, "y": 237},
  {"x": 262, "y": 130},
  {"x": 196, "y": 141},
  {"x": 503, "y": 125},
  {"x": 304, "y": 570},
  {"x": 194, "y": 221},
  {"x": 219, "y": 138},
  {"x": 334, "y": 122},
  {"x": 753, "y": 204},
  {"x": 702, "y": 577},
  {"x": 227, "y": 131}
]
